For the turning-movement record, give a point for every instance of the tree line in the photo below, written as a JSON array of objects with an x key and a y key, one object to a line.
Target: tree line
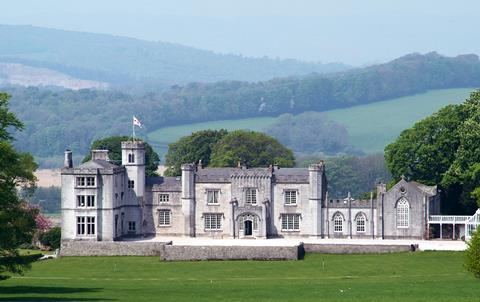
[{"x": 56, "y": 119}]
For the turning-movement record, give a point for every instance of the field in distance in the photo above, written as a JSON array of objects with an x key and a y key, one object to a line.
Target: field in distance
[
  {"x": 419, "y": 276},
  {"x": 371, "y": 127}
]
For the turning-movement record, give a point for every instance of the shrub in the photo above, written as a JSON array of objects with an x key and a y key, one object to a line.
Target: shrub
[
  {"x": 51, "y": 238},
  {"x": 473, "y": 254}
]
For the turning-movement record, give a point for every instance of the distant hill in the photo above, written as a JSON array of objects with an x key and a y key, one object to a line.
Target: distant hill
[
  {"x": 128, "y": 61},
  {"x": 22, "y": 75},
  {"x": 59, "y": 119}
]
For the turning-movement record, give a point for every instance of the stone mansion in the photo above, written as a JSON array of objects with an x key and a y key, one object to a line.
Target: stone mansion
[{"x": 102, "y": 201}]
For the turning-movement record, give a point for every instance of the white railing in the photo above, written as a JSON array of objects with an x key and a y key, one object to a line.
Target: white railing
[
  {"x": 472, "y": 224},
  {"x": 448, "y": 218}
]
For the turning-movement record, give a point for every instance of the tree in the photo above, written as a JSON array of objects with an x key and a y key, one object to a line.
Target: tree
[
  {"x": 51, "y": 238},
  {"x": 193, "y": 148},
  {"x": 443, "y": 149},
  {"x": 17, "y": 220},
  {"x": 114, "y": 145},
  {"x": 357, "y": 175},
  {"x": 472, "y": 255},
  {"x": 250, "y": 148}
]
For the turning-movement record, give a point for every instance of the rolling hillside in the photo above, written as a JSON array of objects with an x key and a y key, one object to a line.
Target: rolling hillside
[
  {"x": 371, "y": 127},
  {"x": 129, "y": 61}
]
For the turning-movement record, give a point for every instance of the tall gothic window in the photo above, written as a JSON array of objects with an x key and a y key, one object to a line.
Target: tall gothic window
[
  {"x": 360, "y": 220},
  {"x": 338, "y": 223},
  {"x": 403, "y": 213}
]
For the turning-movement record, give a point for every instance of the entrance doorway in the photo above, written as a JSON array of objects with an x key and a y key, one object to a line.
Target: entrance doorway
[{"x": 248, "y": 228}]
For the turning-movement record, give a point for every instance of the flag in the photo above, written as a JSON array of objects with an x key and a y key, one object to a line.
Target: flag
[{"x": 136, "y": 122}]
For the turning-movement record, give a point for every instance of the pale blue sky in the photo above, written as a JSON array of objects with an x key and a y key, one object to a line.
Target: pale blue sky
[{"x": 355, "y": 32}]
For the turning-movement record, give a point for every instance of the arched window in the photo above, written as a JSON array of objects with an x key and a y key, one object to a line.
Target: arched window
[
  {"x": 403, "y": 213},
  {"x": 361, "y": 222},
  {"x": 338, "y": 223},
  {"x": 131, "y": 158}
]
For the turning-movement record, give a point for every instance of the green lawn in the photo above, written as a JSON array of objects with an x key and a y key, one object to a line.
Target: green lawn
[
  {"x": 421, "y": 276},
  {"x": 371, "y": 127}
]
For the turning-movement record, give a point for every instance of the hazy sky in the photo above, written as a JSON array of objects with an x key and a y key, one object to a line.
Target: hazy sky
[{"x": 355, "y": 32}]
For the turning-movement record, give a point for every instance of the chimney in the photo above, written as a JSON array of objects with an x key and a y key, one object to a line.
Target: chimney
[
  {"x": 68, "y": 162},
  {"x": 100, "y": 155}
]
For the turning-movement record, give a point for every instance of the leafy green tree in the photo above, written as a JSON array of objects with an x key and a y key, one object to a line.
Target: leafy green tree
[
  {"x": 51, "y": 238},
  {"x": 17, "y": 220},
  {"x": 443, "y": 149},
  {"x": 114, "y": 145},
  {"x": 193, "y": 148},
  {"x": 355, "y": 174},
  {"x": 472, "y": 255},
  {"x": 250, "y": 148}
]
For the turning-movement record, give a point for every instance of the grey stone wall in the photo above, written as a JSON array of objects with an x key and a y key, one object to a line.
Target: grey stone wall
[
  {"x": 356, "y": 248},
  {"x": 188, "y": 253},
  {"x": 105, "y": 248}
]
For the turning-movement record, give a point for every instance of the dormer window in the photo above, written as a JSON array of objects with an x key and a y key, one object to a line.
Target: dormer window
[{"x": 131, "y": 158}]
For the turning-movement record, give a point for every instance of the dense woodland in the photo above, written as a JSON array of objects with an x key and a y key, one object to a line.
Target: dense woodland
[{"x": 56, "y": 119}]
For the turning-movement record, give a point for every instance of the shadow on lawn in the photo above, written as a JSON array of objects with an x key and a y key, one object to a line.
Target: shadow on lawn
[{"x": 28, "y": 293}]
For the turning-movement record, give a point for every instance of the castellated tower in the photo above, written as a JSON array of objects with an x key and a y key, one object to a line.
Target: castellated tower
[{"x": 133, "y": 158}]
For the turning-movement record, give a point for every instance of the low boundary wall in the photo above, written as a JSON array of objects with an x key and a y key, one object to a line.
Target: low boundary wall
[
  {"x": 168, "y": 252},
  {"x": 217, "y": 252},
  {"x": 357, "y": 248},
  {"x": 111, "y": 248}
]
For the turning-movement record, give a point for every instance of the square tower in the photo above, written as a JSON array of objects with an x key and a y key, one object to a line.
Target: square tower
[{"x": 133, "y": 159}]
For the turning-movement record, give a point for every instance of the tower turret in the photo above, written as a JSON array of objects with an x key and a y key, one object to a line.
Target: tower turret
[{"x": 133, "y": 158}]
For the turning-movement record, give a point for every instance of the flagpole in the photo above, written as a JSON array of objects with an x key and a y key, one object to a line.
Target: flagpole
[{"x": 133, "y": 130}]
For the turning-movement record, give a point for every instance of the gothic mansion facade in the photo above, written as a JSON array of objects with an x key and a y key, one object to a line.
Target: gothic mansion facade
[{"x": 102, "y": 201}]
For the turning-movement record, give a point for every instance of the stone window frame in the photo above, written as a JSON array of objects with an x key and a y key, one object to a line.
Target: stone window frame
[
  {"x": 363, "y": 218},
  {"x": 163, "y": 198},
  {"x": 131, "y": 158},
  {"x": 290, "y": 203},
  {"x": 85, "y": 226},
  {"x": 338, "y": 220},
  {"x": 251, "y": 199},
  {"x": 132, "y": 227},
  {"x": 83, "y": 201},
  {"x": 213, "y": 221},
  {"x": 212, "y": 191},
  {"x": 85, "y": 181},
  {"x": 131, "y": 184},
  {"x": 402, "y": 213},
  {"x": 290, "y": 222},
  {"x": 164, "y": 217}
]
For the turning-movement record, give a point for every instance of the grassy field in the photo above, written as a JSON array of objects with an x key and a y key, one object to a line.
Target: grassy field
[
  {"x": 421, "y": 276},
  {"x": 371, "y": 127}
]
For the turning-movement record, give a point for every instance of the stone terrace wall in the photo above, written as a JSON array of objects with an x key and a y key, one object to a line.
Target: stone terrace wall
[
  {"x": 356, "y": 248},
  {"x": 108, "y": 248},
  {"x": 183, "y": 252},
  {"x": 169, "y": 252}
]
